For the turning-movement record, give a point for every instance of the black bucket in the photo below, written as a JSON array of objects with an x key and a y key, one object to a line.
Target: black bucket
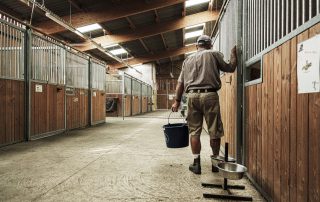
[{"x": 176, "y": 135}]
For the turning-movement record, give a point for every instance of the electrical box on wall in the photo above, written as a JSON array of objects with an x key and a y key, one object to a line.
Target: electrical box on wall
[{"x": 308, "y": 65}]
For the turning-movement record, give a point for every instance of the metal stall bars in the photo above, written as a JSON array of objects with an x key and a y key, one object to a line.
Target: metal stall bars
[
  {"x": 12, "y": 96},
  {"x": 269, "y": 23},
  {"x": 227, "y": 36},
  {"x": 114, "y": 95},
  {"x": 77, "y": 90},
  {"x": 47, "y": 86},
  {"x": 98, "y": 96},
  {"x": 127, "y": 95}
]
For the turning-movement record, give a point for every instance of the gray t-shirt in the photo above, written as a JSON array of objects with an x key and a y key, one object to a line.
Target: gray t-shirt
[{"x": 201, "y": 70}]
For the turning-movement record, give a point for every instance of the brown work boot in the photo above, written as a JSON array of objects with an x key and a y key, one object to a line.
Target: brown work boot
[{"x": 195, "y": 167}]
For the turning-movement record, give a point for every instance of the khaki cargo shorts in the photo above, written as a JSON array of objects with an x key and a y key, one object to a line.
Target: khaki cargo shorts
[{"x": 204, "y": 105}]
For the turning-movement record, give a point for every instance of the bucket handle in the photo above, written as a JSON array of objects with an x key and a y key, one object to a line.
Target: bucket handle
[{"x": 169, "y": 118}]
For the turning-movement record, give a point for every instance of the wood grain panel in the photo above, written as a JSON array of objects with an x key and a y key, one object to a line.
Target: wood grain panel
[
  {"x": 293, "y": 122},
  {"x": 277, "y": 123},
  {"x": 302, "y": 139},
  {"x": 11, "y": 111},
  {"x": 258, "y": 133},
  {"x": 285, "y": 121},
  {"x": 314, "y": 137}
]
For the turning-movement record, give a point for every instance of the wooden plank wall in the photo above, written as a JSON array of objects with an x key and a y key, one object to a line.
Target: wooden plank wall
[
  {"x": 77, "y": 109},
  {"x": 127, "y": 111},
  {"x": 166, "y": 87},
  {"x": 228, "y": 106},
  {"x": 144, "y": 104},
  {"x": 98, "y": 106},
  {"x": 47, "y": 109},
  {"x": 282, "y": 128},
  {"x": 11, "y": 111},
  {"x": 136, "y": 105}
]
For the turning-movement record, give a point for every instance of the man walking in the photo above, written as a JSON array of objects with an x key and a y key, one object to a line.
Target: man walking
[{"x": 200, "y": 78}]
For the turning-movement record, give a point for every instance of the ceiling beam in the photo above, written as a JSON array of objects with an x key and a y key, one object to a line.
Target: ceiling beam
[
  {"x": 77, "y": 5},
  {"x": 155, "y": 57},
  {"x": 106, "y": 14},
  {"x": 152, "y": 30},
  {"x": 132, "y": 26}
]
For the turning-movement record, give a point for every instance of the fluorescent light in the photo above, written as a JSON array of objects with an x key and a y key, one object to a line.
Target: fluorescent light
[
  {"x": 89, "y": 28},
  {"x": 194, "y": 26},
  {"x": 193, "y": 34},
  {"x": 110, "y": 46},
  {"x": 190, "y": 3},
  {"x": 60, "y": 22},
  {"x": 118, "y": 51}
]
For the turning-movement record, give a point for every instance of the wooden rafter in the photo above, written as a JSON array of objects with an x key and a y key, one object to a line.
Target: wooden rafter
[
  {"x": 106, "y": 14},
  {"x": 157, "y": 56},
  {"x": 152, "y": 30}
]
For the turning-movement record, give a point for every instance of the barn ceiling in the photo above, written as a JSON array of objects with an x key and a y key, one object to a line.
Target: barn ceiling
[{"x": 139, "y": 31}]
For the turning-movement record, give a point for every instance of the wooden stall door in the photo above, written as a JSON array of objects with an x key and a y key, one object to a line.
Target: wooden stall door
[
  {"x": 11, "y": 111},
  {"x": 98, "y": 106},
  {"x": 47, "y": 109}
]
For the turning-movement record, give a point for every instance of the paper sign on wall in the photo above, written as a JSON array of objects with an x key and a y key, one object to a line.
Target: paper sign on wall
[
  {"x": 308, "y": 65},
  {"x": 171, "y": 97},
  {"x": 38, "y": 88}
]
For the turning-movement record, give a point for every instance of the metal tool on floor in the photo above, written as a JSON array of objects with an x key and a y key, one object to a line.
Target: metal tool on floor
[{"x": 232, "y": 171}]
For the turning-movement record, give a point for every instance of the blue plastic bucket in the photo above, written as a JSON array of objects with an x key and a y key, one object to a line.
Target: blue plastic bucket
[{"x": 176, "y": 135}]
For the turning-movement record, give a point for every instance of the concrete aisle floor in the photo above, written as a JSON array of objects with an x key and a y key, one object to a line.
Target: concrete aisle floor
[{"x": 118, "y": 161}]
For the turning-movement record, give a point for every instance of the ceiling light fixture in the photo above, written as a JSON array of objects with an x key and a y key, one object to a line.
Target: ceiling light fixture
[
  {"x": 193, "y": 34},
  {"x": 119, "y": 51},
  {"x": 89, "y": 28},
  {"x": 194, "y": 26},
  {"x": 190, "y": 3}
]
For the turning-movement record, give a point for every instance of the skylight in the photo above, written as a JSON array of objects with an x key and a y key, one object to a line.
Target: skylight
[
  {"x": 193, "y": 34},
  {"x": 194, "y": 26},
  {"x": 89, "y": 28},
  {"x": 118, "y": 51},
  {"x": 190, "y": 3}
]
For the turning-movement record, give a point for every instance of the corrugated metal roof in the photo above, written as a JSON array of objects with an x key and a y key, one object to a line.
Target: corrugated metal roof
[
  {"x": 154, "y": 43},
  {"x": 143, "y": 19},
  {"x": 173, "y": 39},
  {"x": 116, "y": 26},
  {"x": 135, "y": 47},
  {"x": 197, "y": 8},
  {"x": 170, "y": 13}
]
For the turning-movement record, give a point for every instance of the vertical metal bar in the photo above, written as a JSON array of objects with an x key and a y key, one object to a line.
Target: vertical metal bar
[
  {"x": 297, "y": 13},
  {"x": 278, "y": 21},
  {"x": 123, "y": 94},
  {"x": 310, "y": 9},
  {"x": 274, "y": 21},
  {"x": 283, "y": 20},
  {"x": 27, "y": 88},
  {"x": 303, "y": 11},
  {"x": 131, "y": 104},
  {"x": 318, "y": 7},
  {"x": 291, "y": 16},
  {"x": 90, "y": 79},
  {"x": 1, "y": 46},
  {"x": 254, "y": 28}
]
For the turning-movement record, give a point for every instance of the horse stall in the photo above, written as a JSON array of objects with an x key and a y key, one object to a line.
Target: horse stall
[
  {"x": 136, "y": 97},
  {"x": 77, "y": 93},
  {"x": 12, "y": 97},
  {"x": 144, "y": 100},
  {"x": 98, "y": 95},
  {"x": 114, "y": 95}
]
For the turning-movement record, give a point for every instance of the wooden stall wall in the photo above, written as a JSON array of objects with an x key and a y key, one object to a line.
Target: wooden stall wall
[
  {"x": 228, "y": 107},
  {"x": 47, "y": 109},
  {"x": 77, "y": 108},
  {"x": 135, "y": 104},
  {"x": 144, "y": 104},
  {"x": 282, "y": 128},
  {"x": 11, "y": 111},
  {"x": 166, "y": 92},
  {"x": 98, "y": 106}
]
